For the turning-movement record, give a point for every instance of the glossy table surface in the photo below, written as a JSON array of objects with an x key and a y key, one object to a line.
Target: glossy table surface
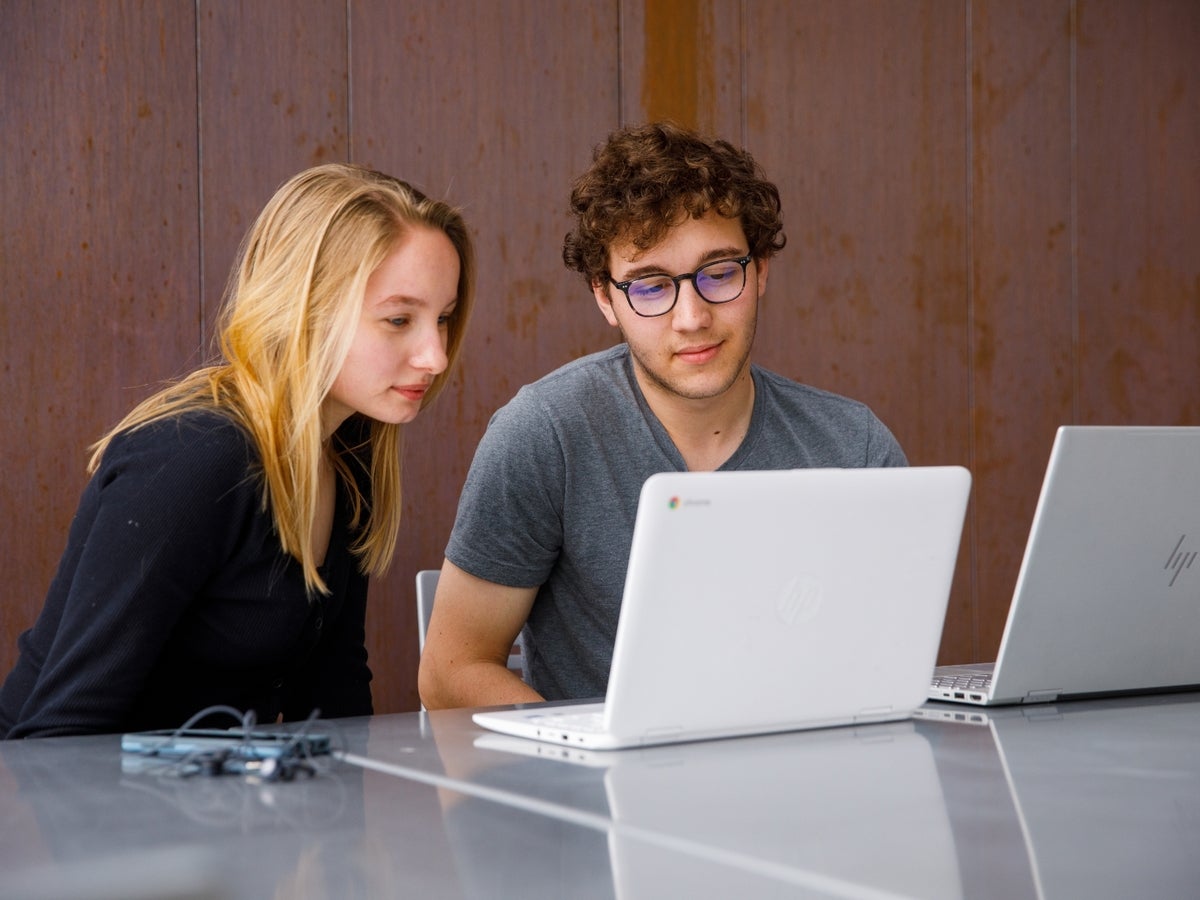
[{"x": 1087, "y": 799}]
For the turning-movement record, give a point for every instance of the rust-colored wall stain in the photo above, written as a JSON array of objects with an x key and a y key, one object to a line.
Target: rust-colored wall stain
[{"x": 678, "y": 69}]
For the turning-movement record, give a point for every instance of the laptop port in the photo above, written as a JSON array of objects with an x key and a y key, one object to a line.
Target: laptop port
[{"x": 959, "y": 695}]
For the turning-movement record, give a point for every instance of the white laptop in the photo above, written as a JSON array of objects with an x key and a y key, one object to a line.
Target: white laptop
[
  {"x": 1107, "y": 599},
  {"x": 771, "y": 601}
]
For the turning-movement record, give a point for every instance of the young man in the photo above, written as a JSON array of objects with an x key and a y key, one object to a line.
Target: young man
[{"x": 674, "y": 234}]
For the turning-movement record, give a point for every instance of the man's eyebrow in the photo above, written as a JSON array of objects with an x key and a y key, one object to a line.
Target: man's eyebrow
[{"x": 652, "y": 269}]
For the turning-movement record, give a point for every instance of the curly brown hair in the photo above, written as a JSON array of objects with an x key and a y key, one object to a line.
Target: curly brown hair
[{"x": 645, "y": 179}]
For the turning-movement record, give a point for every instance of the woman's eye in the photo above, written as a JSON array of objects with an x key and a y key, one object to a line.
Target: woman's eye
[{"x": 399, "y": 321}]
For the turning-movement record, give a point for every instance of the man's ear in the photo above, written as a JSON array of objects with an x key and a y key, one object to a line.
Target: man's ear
[
  {"x": 604, "y": 301},
  {"x": 763, "y": 266}
]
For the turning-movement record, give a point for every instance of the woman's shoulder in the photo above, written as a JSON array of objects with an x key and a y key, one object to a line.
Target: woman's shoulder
[
  {"x": 204, "y": 427},
  {"x": 207, "y": 443}
]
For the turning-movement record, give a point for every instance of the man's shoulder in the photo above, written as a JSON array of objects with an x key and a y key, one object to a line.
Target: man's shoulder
[
  {"x": 789, "y": 391},
  {"x": 576, "y": 385},
  {"x": 603, "y": 365},
  {"x": 829, "y": 429}
]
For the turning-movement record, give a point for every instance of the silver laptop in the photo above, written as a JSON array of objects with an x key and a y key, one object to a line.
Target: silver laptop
[
  {"x": 1107, "y": 599},
  {"x": 759, "y": 602}
]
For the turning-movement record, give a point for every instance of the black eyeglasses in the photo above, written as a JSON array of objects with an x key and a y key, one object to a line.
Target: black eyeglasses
[{"x": 716, "y": 282}]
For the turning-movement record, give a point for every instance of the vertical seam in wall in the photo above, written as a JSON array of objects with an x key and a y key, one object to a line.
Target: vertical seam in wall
[
  {"x": 1076, "y": 383},
  {"x": 620, "y": 66},
  {"x": 972, "y": 424},
  {"x": 349, "y": 87},
  {"x": 744, "y": 124},
  {"x": 202, "y": 336}
]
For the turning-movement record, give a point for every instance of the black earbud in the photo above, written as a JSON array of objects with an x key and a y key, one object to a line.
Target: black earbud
[
  {"x": 271, "y": 768},
  {"x": 284, "y": 769},
  {"x": 208, "y": 764}
]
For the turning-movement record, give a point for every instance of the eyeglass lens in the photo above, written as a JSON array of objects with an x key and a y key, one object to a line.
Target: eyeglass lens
[{"x": 718, "y": 282}]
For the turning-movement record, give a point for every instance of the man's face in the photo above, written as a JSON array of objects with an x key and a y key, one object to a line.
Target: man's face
[{"x": 698, "y": 350}]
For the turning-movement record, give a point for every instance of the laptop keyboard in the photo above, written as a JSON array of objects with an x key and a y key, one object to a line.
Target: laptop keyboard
[{"x": 965, "y": 681}]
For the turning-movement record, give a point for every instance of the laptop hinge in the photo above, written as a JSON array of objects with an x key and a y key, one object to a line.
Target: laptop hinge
[{"x": 1042, "y": 696}]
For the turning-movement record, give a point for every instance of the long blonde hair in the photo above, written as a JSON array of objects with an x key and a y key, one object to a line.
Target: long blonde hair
[{"x": 289, "y": 318}]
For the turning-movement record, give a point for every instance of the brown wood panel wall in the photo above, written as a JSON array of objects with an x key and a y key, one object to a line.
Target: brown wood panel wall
[
  {"x": 272, "y": 100},
  {"x": 1139, "y": 204},
  {"x": 992, "y": 208},
  {"x": 1020, "y": 293},
  {"x": 98, "y": 254}
]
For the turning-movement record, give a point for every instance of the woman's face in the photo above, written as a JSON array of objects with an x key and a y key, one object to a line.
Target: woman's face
[{"x": 400, "y": 343}]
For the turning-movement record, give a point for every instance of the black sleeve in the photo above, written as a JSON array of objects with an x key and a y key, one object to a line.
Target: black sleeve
[{"x": 158, "y": 518}]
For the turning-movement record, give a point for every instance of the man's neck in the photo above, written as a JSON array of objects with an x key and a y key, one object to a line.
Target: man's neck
[{"x": 706, "y": 431}]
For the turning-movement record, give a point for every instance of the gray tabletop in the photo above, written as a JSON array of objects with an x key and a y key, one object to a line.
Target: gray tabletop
[{"x": 1088, "y": 799}]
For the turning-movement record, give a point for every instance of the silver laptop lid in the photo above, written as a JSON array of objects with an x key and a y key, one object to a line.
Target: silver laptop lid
[{"x": 1108, "y": 596}]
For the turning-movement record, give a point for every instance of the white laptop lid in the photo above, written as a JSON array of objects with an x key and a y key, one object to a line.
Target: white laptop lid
[
  {"x": 1108, "y": 596},
  {"x": 774, "y": 601}
]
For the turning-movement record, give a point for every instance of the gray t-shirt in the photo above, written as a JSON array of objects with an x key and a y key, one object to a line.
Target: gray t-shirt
[{"x": 552, "y": 493}]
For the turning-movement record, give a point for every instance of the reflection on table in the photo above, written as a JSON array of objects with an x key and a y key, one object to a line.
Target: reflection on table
[
  {"x": 1095, "y": 799},
  {"x": 1091, "y": 798}
]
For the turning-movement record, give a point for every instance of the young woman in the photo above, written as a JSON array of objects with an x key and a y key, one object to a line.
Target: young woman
[{"x": 221, "y": 549}]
